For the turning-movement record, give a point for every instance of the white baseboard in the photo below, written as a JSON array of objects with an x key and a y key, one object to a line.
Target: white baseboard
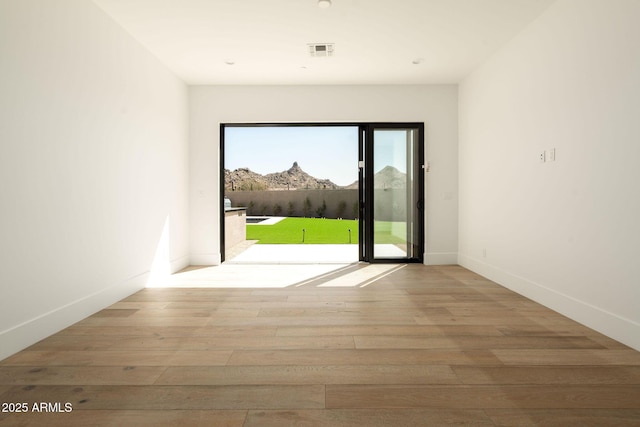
[
  {"x": 179, "y": 264},
  {"x": 30, "y": 332},
  {"x": 205, "y": 259},
  {"x": 440, "y": 258},
  {"x": 619, "y": 328}
]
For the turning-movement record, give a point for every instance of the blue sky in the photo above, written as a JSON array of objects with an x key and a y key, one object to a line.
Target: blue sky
[{"x": 324, "y": 152}]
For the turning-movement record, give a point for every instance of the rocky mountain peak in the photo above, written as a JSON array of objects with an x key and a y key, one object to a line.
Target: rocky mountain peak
[
  {"x": 295, "y": 169},
  {"x": 389, "y": 177},
  {"x": 293, "y": 178}
]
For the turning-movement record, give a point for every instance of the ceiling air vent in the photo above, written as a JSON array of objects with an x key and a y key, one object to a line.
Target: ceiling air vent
[{"x": 320, "y": 49}]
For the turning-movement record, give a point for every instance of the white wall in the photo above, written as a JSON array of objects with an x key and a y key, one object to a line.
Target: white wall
[
  {"x": 93, "y": 166},
  {"x": 564, "y": 233},
  {"x": 436, "y": 106}
]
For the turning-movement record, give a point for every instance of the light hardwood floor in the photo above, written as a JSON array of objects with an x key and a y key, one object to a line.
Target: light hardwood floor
[{"x": 414, "y": 346}]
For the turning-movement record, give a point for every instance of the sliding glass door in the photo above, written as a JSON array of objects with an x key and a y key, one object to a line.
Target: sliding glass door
[
  {"x": 393, "y": 193},
  {"x": 385, "y": 202}
]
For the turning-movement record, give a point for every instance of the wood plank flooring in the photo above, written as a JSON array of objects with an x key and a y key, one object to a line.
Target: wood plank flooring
[{"x": 416, "y": 346}]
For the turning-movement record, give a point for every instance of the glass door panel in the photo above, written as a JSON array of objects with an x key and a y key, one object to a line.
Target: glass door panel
[{"x": 395, "y": 193}]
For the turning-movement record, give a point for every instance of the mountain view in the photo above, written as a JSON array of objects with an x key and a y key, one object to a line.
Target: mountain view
[
  {"x": 295, "y": 178},
  {"x": 389, "y": 177}
]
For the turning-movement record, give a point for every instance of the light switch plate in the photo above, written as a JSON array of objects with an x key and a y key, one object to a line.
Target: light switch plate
[{"x": 550, "y": 155}]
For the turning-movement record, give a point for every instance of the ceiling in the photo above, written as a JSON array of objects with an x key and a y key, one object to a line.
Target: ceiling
[{"x": 375, "y": 41}]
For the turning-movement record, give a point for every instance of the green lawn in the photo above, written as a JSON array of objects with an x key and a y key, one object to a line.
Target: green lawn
[
  {"x": 322, "y": 231},
  {"x": 390, "y": 232},
  {"x": 317, "y": 231}
]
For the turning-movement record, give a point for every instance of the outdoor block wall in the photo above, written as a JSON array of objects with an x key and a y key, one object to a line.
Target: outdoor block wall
[
  {"x": 390, "y": 204},
  {"x": 266, "y": 202}
]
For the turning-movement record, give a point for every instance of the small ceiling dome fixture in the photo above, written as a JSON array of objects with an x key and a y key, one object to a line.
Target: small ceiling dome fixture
[{"x": 324, "y": 4}]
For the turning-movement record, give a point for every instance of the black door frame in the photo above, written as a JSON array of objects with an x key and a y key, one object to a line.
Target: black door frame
[
  {"x": 365, "y": 179},
  {"x": 367, "y": 192}
]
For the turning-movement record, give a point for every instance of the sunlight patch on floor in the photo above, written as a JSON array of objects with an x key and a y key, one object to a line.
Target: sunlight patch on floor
[
  {"x": 303, "y": 253},
  {"x": 362, "y": 277},
  {"x": 246, "y": 276}
]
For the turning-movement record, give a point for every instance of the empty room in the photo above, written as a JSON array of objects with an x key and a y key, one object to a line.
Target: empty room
[{"x": 489, "y": 209}]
